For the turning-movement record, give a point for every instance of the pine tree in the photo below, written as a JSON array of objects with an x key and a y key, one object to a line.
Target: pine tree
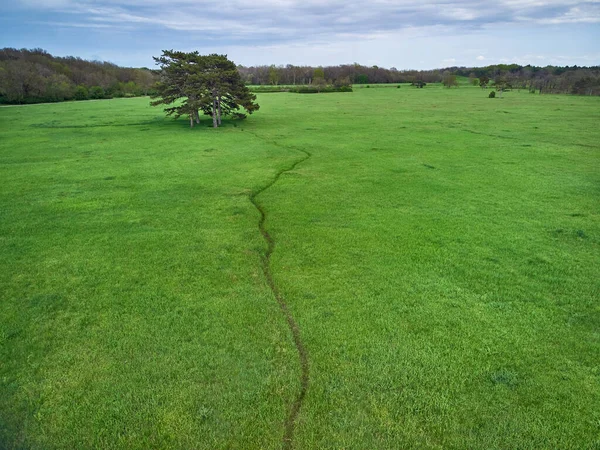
[{"x": 211, "y": 84}]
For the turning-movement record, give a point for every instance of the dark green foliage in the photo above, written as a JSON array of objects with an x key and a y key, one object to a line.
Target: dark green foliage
[
  {"x": 308, "y": 89},
  {"x": 268, "y": 89},
  {"x": 483, "y": 82},
  {"x": 81, "y": 93},
  {"x": 207, "y": 83},
  {"x": 362, "y": 79},
  {"x": 492, "y": 94},
  {"x": 96, "y": 92},
  {"x": 315, "y": 90}
]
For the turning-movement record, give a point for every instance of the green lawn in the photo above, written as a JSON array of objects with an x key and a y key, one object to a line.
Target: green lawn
[{"x": 439, "y": 251}]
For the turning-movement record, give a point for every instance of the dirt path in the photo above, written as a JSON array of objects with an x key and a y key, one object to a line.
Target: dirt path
[{"x": 290, "y": 422}]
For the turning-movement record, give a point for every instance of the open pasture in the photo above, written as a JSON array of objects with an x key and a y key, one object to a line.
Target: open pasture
[{"x": 438, "y": 250}]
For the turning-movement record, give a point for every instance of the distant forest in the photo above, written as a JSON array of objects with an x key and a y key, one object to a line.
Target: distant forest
[
  {"x": 34, "y": 76},
  {"x": 550, "y": 79}
]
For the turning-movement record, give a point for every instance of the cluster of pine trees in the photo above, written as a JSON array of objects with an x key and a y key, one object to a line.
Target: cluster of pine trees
[
  {"x": 195, "y": 83},
  {"x": 34, "y": 76}
]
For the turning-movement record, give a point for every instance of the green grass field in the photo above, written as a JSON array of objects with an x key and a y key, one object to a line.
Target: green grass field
[{"x": 439, "y": 252}]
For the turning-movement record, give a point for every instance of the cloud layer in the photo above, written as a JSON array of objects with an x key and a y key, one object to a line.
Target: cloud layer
[
  {"x": 294, "y": 19},
  {"x": 270, "y": 23}
]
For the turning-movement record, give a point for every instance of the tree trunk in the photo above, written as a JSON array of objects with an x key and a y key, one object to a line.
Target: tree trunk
[
  {"x": 191, "y": 120},
  {"x": 214, "y": 114},
  {"x": 197, "y": 114},
  {"x": 219, "y": 109}
]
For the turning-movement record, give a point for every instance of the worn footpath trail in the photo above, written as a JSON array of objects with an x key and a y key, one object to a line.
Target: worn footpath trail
[{"x": 290, "y": 422}]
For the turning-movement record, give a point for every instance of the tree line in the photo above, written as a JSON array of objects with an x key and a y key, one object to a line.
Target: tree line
[
  {"x": 549, "y": 79},
  {"x": 34, "y": 76}
]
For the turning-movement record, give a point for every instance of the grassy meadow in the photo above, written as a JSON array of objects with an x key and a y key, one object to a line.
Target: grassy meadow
[{"x": 439, "y": 251}]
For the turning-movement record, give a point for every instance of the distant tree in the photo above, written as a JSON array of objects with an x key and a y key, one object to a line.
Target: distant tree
[
  {"x": 13, "y": 75},
  {"x": 292, "y": 71},
  {"x": 472, "y": 78},
  {"x": 273, "y": 75},
  {"x": 501, "y": 83},
  {"x": 362, "y": 79},
  {"x": 342, "y": 82},
  {"x": 58, "y": 88},
  {"x": 483, "y": 81},
  {"x": 319, "y": 83},
  {"x": 449, "y": 79},
  {"x": 319, "y": 79},
  {"x": 587, "y": 86},
  {"x": 145, "y": 79}
]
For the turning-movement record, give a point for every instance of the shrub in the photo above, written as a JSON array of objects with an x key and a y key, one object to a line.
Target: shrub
[
  {"x": 492, "y": 94},
  {"x": 97, "y": 92},
  {"x": 81, "y": 93}
]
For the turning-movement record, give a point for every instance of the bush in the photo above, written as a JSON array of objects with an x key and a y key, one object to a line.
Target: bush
[
  {"x": 302, "y": 89},
  {"x": 492, "y": 94},
  {"x": 81, "y": 93},
  {"x": 398, "y": 87},
  {"x": 97, "y": 92},
  {"x": 306, "y": 90}
]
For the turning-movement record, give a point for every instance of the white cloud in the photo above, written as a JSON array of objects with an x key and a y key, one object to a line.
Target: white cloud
[{"x": 578, "y": 14}]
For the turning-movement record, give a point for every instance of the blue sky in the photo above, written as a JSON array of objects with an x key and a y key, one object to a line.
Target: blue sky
[{"x": 407, "y": 34}]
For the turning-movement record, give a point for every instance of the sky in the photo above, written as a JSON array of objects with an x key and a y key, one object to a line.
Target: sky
[{"x": 406, "y": 34}]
